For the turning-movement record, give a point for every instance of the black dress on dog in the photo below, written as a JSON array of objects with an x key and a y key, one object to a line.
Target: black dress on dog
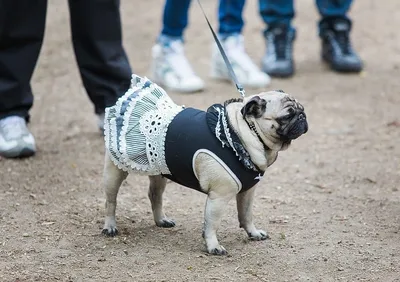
[
  {"x": 146, "y": 132},
  {"x": 194, "y": 131}
]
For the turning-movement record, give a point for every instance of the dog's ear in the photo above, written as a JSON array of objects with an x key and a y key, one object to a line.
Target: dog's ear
[
  {"x": 254, "y": 107},
  {"x": 280, "y": 90}
]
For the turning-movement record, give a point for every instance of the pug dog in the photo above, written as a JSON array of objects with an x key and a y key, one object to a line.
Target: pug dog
[{"x": 222, "y": 152}]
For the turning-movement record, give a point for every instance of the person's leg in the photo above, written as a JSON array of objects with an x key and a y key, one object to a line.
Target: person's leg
[
  {"x": 170, "y": 67},
  {"x": 97, "y": 40},
  {"x": 175, "y": 18},
  {"x": 333, "y": 8},
  {"x": 276, "y": 11},
  {"x": 230, "y": 32},
  {"x": 230, "y": 17},
  {"x": 334, "y": 30},
  {"x": 22, "y": 25},
  {"x": 279, "y": 34}
]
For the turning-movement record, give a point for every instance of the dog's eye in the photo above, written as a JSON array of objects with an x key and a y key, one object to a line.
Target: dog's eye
[{"x": 289, "y": 115}]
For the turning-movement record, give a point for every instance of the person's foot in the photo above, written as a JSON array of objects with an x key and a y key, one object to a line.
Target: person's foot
[
  {"x": 278, "y": 59},
  {"x": 337, "y": 50},
  {"x": 171, "y": 69},
  {"x": 248, "y": 74},
  {"x": 15, "y": 139}
]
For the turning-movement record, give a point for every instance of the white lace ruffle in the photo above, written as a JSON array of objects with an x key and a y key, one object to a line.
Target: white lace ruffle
[
  {"x": 222, "y": 119},
  {"x": 136, "y": 127}
]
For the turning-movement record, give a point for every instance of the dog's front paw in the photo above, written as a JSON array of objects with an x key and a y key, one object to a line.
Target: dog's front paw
[
  {"x": 165, "y": 223},
  {"x": 111, "y": 231},
  {"x": 258, "y": 235},
  {"x": 218, "y": 251},
  {"x": 110, "y": 227}
]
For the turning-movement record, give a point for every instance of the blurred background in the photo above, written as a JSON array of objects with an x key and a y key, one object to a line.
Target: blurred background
[{"x": 331, "y": 203}]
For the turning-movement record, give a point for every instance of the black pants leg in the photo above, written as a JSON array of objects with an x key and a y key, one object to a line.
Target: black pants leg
[
  {"x": 97, "y": 41},
  {"x": 22, "y": 25}
]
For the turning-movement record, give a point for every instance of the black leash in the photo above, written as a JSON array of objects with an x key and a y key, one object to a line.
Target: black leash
[{"x": 232, "y": 74}]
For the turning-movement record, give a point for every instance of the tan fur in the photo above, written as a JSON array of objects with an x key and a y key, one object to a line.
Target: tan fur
[
  {"x": 221, "y": 188},
  {"x": 213, "y": 177}
]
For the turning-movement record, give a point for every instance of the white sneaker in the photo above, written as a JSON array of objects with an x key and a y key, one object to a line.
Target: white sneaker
[
  {"x": 15, "y": 139},
  {"x": 171, "y": 69},
  {"x": 248, "y": 74}
]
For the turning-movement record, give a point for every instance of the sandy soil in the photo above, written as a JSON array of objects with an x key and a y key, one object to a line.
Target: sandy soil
[{"x": 331, "y": 203}]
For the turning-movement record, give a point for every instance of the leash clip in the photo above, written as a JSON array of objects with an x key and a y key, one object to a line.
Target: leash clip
[{"x": 241, "y": 91}]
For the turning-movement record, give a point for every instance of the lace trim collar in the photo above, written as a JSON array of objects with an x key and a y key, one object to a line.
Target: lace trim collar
[{"x": 219, "y": 124}]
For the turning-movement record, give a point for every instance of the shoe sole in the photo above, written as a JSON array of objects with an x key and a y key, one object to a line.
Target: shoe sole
[
  {"x": 345, "y": 70},
  {"x": 341, "y": 69},
  {"x": 228, "y": 80},
  {"x": 180, "y": 90},
  {"x": 280, "y": 74},
  {"x": 155, "y": 79},
  {"x": 217, "y": 76},
  {"x": 24, "y": 153}
]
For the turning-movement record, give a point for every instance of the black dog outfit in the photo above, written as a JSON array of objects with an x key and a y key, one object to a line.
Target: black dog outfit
[{"x": 147, "y": 132}]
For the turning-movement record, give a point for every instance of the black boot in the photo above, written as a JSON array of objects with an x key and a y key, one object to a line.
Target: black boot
[
  {"x": 336, "y": 46},
  {"x": 278, "y": 59}
]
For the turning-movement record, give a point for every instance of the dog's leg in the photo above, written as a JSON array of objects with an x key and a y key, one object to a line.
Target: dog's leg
[
  {"x": 215, "y": 207},
  {"x": 244, "y": 203},
  {"x": 156, "y": 190},
  {"x": 112, "y": 178},
  {"x": 220, "y": 187}
]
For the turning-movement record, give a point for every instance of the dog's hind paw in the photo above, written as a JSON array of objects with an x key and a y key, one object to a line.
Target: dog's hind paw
[
  {"x": 218, "y": 251},
  {"x": 111, "y": 231},
  {"x": 258, "y": 235},
  {"x": 165, "y": 223}
]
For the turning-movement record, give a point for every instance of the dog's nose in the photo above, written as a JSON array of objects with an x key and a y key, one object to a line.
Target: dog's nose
[
  {"x": 305, "y": 127},
  {"x": 301, "y": 117}
]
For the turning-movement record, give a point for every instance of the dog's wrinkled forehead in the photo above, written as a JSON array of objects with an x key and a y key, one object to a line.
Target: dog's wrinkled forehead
[
  {"x": 281, "y": 98},
  {"x": 274, "y": 103},
  {"x": 289, "y": 101}
]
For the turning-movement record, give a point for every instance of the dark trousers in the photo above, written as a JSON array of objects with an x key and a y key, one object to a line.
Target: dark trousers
[{"x": 97, "y": 41}]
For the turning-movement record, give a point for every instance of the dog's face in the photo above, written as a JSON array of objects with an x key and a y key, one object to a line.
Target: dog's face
[{"x": 277, "y": 116}]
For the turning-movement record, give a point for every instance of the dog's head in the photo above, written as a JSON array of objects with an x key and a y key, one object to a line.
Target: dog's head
[{"x": 278, "y": 118}]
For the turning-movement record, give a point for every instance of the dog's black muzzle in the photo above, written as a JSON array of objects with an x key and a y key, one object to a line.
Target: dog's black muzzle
[{"x": 296, "y": 127}]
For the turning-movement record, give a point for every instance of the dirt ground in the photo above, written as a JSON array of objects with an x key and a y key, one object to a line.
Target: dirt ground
[{"x": 331, "y": 203}]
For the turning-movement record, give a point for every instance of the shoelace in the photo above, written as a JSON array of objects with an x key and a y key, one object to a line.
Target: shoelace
[
  {"x": 178, "y": 61},
  {"x": 13, "y": 127},
  {"x": 343, "y": 40},
  {"x": 281, "y": 44}
]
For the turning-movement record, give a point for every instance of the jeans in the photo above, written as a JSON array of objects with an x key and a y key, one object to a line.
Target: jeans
[
  {"x": 175, "y": 17},
  {"x": 282, "y": 11}
]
